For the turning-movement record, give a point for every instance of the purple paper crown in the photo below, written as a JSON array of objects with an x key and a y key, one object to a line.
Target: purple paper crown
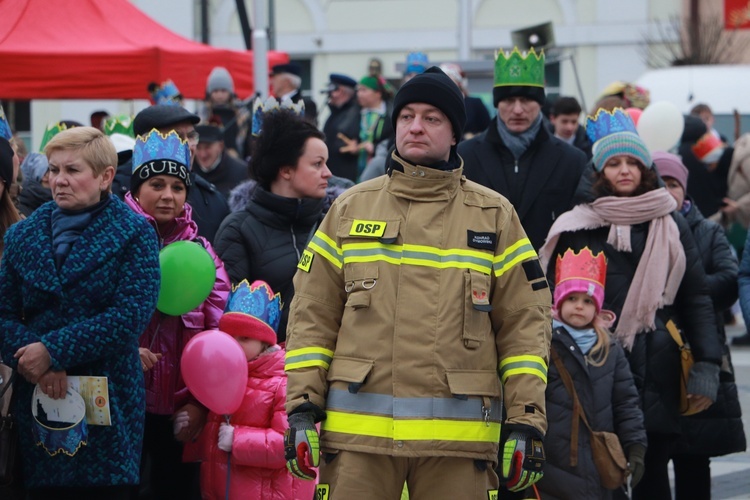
[
  {"x": 5, "y": 131},
  {"x": 157, "y": 146},
  {"x": 167, "y": 94},
  {"x": 609, "y": 122}
]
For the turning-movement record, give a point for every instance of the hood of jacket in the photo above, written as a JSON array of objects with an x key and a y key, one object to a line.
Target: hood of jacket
[{"x": 185, "y": 229}]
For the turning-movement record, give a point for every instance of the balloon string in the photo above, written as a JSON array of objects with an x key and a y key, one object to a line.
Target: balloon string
[{"x": 229, "y": 466}]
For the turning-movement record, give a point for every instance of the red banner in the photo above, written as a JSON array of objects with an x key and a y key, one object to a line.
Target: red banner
[{"x": 736, "y": 14}]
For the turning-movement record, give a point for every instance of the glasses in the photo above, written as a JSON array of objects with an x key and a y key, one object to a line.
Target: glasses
[{"x": 192, "y": 137}]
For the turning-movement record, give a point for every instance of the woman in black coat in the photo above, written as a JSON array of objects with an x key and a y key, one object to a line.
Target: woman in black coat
[
  {"x": 717, "y": 431},
  {"x": 654, "y": 275},
  {"x": 266, "y": 240}
]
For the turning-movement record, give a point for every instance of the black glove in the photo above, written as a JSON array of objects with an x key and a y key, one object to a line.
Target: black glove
[
  {"x": 521, "y": 456},
  {"x": 301, "y": 446},
  {"x": 636, "y": 463}
]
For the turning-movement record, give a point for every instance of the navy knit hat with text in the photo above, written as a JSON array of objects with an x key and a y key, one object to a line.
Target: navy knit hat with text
[{"x": 436, "y": 88}]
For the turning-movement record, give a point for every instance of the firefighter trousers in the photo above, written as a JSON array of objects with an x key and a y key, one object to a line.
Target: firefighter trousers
[{"x": 347, "y": 474}]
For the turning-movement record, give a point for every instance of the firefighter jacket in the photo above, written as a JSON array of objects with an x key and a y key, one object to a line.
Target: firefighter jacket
[{"x": 416, "y": 298}]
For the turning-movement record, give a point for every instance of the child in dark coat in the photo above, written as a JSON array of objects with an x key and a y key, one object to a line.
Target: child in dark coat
[{"x": 601, "y": 377}]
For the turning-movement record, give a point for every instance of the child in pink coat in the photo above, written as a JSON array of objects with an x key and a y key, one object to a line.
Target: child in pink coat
[{"x": 254, "y": 436}]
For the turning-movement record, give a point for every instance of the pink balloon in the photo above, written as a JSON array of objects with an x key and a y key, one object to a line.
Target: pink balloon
[
  {"x": 214, "y": 368},
  {"x": 635, "y": 114}
]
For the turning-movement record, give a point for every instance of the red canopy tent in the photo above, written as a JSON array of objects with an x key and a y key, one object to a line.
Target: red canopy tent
[{"x": 105, "y": 49}]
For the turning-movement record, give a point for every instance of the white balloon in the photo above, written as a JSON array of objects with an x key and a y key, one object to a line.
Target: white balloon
[{"x": 660, "y": 126}]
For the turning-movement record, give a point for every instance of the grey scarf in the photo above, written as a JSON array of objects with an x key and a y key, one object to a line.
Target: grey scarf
[{"x": 518, "y": 142}]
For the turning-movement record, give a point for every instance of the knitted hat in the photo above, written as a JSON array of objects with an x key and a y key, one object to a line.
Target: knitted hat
[
  {"x": 220, "y": 79},
  {"x": 519, "y": 75},
  {"x": 34, "y": 166},
  {"x": 436, "y": 88},
  {"x": 580, "y": 272},
  {"x": 708, "y": 148},
  {"x": 252, "y": 311},
  {"x": 6, "y": 162},
  {"x": 613, "y": 133},
  {"x": 669, "y": 165},
  {"x": 159, "y": 154}
]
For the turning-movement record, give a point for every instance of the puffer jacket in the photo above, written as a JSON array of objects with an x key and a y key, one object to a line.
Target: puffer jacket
[
  {"x": 610, "y": 401},
  {"x": 265, "y": 242},
  {"x": 654, "y": 358},
  {"x": 167, "y": 335},
  {"x": 718, "y": 430},
  {"x": 258, "y": 466}
]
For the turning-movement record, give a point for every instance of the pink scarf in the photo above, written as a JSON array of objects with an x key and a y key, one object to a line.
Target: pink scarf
[{"x": 661, "y": 267}]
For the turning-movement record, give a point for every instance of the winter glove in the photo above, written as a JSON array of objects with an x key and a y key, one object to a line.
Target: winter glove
[
  {"x": 181, "y": 421},
  {"x": 226, "y": 437},
  {"x": 636, "y": 463},
  {"x": 301, "y": 447},
  {"x": 521, "y": 457}
]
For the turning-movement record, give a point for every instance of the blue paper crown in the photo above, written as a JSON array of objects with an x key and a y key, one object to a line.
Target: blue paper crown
[
  {"x": 157, "y": 146},
  {"x": 5, "y": 131},
  {"x": 416, "y": 62},
  {"x": 167, "y": 94},
  {"x": 256, "y": 300},
  {"x": 271, "y": 105},
  {"x": 609, "y": 122}
]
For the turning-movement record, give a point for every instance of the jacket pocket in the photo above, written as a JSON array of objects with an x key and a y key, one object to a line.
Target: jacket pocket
[
  {"x": 474, "y": 383},
  {"x": 349, "y": 372},
  {"x": 359, "y": 281},
  {"x": 477, "y": 307}
]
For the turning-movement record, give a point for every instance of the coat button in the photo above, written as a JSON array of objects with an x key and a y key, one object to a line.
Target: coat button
[
  {"x": 572, "y": 348},
  {"x": 400, "y": 444}
]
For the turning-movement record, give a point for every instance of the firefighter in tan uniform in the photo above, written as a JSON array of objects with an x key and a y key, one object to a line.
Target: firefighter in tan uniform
[{"x": 419, "y": 306}]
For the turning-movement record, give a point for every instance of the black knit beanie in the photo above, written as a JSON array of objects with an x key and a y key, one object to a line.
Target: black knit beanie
[
  {"x": 6, "y": 162},
  {"x": 436, "y": 88},
  {"x": 534, "y": 93}
]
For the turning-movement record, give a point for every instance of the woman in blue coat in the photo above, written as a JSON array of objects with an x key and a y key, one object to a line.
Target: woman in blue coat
[{"x": 79, "y": 281}]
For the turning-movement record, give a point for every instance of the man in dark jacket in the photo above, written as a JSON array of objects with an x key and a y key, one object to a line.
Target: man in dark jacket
[
  {"x": 564, "y": 117},
  {"x": 517, "y": 156},
  {"x": 209, "y": 205},
  {"x": 344, "y": 120},
  {"x": 286, "y": 82},
  {"x": 214, "y": 164}
]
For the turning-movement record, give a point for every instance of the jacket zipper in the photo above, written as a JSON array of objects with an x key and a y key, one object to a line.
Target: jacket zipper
[{"x": 516, "y": 167}]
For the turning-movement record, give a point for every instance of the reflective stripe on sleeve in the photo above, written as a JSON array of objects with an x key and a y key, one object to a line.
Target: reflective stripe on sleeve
[
  {"x": 307, "y": 357},
  {"x": 514, "y": 254},
  {"x": 516, "y": 365},
  {"x": 326, "y": 248}
]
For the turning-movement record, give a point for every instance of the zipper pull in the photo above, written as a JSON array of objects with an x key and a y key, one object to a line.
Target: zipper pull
[
  {"x": 486, "y": 405},
  {"x": 553, "y": 215},
  {"x": 516, "y": 168}
]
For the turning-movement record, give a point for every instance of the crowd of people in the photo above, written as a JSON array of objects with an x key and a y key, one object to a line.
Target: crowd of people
[{"x": 433, "y": 302}]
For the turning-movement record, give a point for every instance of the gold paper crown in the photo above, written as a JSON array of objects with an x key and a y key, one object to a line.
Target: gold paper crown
[{"x": 516, "y": 69}]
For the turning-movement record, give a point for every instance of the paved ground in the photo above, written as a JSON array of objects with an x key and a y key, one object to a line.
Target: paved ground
[{"x": 730, "y": 475}]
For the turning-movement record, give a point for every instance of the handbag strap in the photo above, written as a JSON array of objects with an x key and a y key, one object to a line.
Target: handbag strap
[
  {"x": 567, "y": 381},
  {"x": 675, "y": 333},
  {"x": 7, "y": 386}
]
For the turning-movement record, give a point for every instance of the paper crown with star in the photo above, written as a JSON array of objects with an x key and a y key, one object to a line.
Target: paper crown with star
[
  {"x": 613, "y": 133},
  {"x": 519, "y": 75},
  {"x": 253, "y": 310},
  {"x": 5, "y": 131},
  {"x": 53, "y": 128},
  {"x": 580, "y": 272},
  {"x": 119, "y": 124},
  {"x": 160, "y": 154},
  {"x": 271, "y": 105}
]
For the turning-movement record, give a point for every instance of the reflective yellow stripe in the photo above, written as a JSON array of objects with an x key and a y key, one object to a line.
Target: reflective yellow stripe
[
  {"x": 514, "y": 254},
  {"x": 417, "y": 255},
  {"x": 326, "y": 248},
  {"x": 307, "y": 357},
  {"x": 411, "y": 430},
  {"x": 526, "y": 364}
]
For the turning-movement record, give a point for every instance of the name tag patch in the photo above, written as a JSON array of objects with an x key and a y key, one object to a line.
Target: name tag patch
[
  {"x": 485, "y": 241},
  {"x": 306, "y": 261},
  {"x": 369, "y": 228}
]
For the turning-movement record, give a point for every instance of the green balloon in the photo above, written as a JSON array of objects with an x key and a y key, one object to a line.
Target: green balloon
[{"x": 188, "y": 275}]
